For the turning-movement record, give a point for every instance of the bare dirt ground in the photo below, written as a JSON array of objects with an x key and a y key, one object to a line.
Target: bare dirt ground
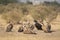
[
  {"x": 39, "y": 36},
  {"x": 55, "y": 35}
]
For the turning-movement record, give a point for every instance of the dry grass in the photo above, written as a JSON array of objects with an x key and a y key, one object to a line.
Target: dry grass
[{"x": 15, "y": 13}]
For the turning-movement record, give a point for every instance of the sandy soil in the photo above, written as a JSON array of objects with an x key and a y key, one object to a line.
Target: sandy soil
[
  {"x": 55, "y": 35},
  {"x": 39, "y": 36}
]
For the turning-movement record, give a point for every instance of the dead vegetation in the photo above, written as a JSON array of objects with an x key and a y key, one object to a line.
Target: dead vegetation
[
  {"x": 18, "y": 13},
  {"x": 15, "y": 12}
]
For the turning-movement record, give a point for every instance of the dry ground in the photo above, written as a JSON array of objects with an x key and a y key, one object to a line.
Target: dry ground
[
  {"x": 39, "y": 36},
  {"x": 55, "y": 35}
]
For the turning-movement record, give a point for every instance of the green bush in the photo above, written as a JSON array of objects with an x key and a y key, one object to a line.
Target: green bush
[{"x": 7, "y": 1}]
